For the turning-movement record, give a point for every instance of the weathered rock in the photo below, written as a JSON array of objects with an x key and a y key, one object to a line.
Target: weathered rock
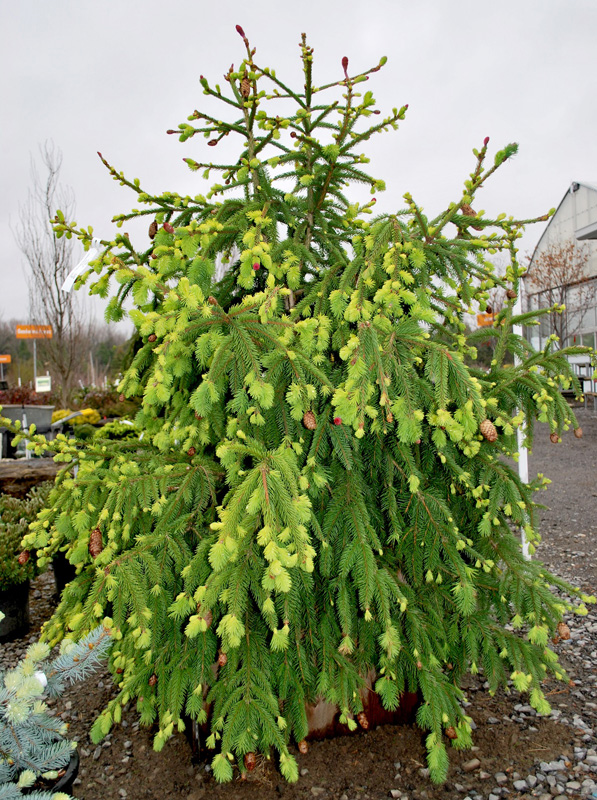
[{"x": 471, "y": 765}]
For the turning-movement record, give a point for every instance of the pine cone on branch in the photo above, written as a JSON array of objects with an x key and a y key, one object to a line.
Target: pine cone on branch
[
  {"x": 309, "y": 420},
  {"x": 488, "y": 430},
  {"x": 96, "y": 543},
  {"x": 245, "y": 86}
]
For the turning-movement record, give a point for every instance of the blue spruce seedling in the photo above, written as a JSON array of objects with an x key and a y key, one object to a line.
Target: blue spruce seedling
[{"x": 32, "y": 742}]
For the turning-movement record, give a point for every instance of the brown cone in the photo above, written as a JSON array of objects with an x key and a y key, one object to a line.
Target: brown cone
[
  {"x": 222, "y": 660},
  {"x": 250, "y": 761},
  {"x": 564, "y": 631},
  {"x": 152, "y": 337},
  {"x": 451, "y": 733},
  {"x": 511, "y": 294},
  {"x": 309, "y": 420},
  {"x": 303, "y": 747},
  {"x": 24, "y": 557},
  {"x": 153, "y": 680},
  {"x": 153, "y": 229},
  {"x": 96, "y": 543},
  {"x": 578, "y": 433},
  {"x": 554, "y": 438},
  {"x": 245, "y": 86},
  {"x": 363, "y": 721},
  {"x": 488, "y": 430}
]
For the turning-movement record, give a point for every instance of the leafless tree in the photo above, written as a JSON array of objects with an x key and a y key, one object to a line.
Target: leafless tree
[
  {"x": 49, "y": 261},
  {"x": 559, "y": 275}
]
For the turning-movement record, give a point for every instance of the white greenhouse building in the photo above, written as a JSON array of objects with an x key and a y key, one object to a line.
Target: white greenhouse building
[{"x": 563, "y": 269}]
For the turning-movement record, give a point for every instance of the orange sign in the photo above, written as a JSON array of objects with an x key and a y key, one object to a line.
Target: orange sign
[
  {"x": 34, "y": 331},
  {"x": 4, "y": 359},
  {"x": 484, "y": 320}
]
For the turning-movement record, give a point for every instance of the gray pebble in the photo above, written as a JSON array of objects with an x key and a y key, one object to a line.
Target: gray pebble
[{"x": 471, "y": 765}]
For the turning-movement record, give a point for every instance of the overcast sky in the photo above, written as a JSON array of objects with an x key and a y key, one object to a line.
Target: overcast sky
[{"x": 114, "y": 75}]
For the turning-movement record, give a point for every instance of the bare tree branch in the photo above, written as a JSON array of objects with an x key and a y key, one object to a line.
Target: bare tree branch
[
  {"x": 559, "y": 275},
  {"x": 50, "y": 260}
]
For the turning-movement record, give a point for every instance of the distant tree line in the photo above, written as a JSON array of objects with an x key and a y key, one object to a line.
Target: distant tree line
[{"x": 98, "y": 357}]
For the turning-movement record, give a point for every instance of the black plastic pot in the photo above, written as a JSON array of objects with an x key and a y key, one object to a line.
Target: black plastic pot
[
  {"x": 14, "y": 604},
  {"x": 65, "y": 783},
  {"x": 64, "y": 572}
]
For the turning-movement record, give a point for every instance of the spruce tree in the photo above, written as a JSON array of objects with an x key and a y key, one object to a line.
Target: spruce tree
[{"x": 322, "y": 485}]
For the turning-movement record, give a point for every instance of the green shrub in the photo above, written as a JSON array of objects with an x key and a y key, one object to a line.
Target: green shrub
[{"x": 15, "y": 517}]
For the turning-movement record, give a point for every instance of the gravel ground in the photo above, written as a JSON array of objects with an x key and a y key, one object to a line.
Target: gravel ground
[{"x": 516, "y": 755}]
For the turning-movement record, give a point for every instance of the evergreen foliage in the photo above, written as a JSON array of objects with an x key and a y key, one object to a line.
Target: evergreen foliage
[
  {"x": 32, "y": 743},
  {"x": 15, "y": 516},
  {"x": 310, "y": 496}
]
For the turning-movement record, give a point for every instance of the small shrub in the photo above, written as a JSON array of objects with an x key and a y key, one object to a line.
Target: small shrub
[
  {"x": 33, "y": 747},
  {"x": 15, "y": 516}
]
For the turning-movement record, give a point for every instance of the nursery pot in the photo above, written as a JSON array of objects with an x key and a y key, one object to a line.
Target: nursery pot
[
  {"x": 65, "y": 783},
  {"x": 64, "y": 572},
  {"x": 323, "y": 718},
  {"x": 14, "y": 604}
]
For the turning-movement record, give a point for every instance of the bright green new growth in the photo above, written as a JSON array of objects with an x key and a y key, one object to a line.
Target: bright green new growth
[{"x": 385, "y": 537}]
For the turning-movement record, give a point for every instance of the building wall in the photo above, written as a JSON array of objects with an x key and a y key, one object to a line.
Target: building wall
[{"x": 577, "y": 210}]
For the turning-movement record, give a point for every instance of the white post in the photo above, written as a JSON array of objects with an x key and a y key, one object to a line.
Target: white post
[
  {"x": 523, "y": 453},
  {"x": 34, "y": 363}
]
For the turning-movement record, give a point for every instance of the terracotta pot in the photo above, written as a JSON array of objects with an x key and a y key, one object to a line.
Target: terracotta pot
[
  {"x": 324, "y": 718},
  {"x": 14, "y": 604}
]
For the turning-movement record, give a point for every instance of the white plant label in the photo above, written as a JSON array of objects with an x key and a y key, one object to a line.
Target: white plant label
[
  {"x": 72, "y": 276},
  {"x": 41, "y": 678}
]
